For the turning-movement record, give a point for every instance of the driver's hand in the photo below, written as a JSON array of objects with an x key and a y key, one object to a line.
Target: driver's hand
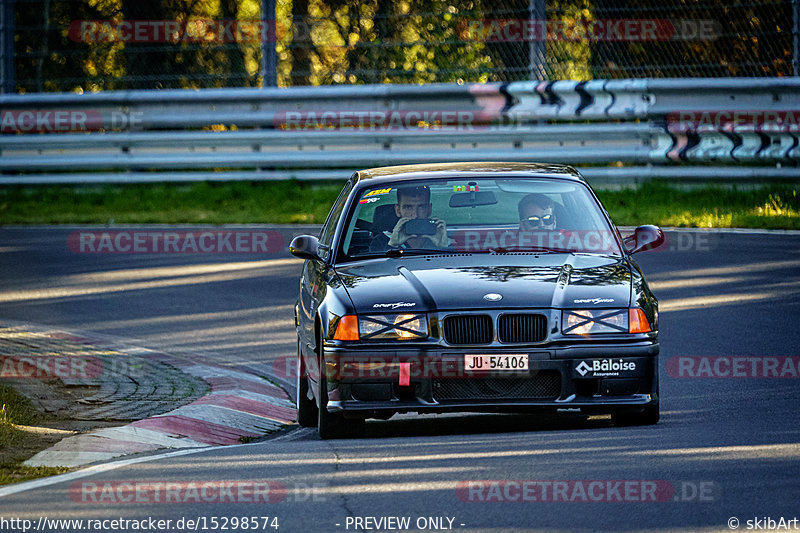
[
  {"x": 440, "y": 237},
  {"x": 399, "y": 235}
]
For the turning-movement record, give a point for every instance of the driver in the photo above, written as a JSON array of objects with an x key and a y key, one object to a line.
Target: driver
[{"x": 412, "y": 203}]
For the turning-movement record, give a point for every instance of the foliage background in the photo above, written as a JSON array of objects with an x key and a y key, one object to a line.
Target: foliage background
[{"x": 385, "y": 41}]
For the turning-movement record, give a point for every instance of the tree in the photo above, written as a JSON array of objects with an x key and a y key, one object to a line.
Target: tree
[{"x": 746, "y": 39}]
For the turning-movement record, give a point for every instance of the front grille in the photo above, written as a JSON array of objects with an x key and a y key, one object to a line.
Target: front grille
[
  {"x": 522, "y": 328},
  {"x": 468, "y": 329},
  {"x": 543, "y": 385}
]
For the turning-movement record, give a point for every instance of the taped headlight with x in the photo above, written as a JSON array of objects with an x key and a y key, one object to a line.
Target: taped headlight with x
[
  {"x": 582, "y": 322},
  {"x": 404, "y": 326}
]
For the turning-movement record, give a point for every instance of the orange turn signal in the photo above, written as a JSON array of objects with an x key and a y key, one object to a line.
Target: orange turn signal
[
  {"x": 347, "y": 329},
  {"x": 637, "y": 321}
]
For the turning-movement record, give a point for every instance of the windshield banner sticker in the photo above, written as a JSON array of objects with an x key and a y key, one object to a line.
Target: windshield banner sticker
[
  {"x": 378, "y": 191},
  {"x": 592, "y": 241}
]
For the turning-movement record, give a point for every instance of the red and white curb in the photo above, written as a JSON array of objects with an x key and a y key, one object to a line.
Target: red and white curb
[{"x": 239, "y": 406}]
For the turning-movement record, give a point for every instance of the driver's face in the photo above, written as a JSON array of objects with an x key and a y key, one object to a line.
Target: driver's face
[
  {"x": 539, "y": 217},
  {"x": 413, "y": 207}
]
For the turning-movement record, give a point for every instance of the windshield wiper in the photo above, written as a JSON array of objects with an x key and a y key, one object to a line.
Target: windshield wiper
[
  {"x": 548, "y": 250},
  {"x": 542, "y": 249},
  {"x": 398, "y": 252}
]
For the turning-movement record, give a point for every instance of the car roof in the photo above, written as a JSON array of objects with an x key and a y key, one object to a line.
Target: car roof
[{"x": 497, "y": 169}]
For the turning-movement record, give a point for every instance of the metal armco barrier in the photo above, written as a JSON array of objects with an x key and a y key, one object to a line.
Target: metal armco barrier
[{"x": 744, "y": 128}]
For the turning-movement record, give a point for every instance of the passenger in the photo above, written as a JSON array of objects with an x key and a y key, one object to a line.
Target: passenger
[{"x": 536, "y": 212}]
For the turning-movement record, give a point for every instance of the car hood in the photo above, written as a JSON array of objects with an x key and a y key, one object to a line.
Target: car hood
[{"x": 462, "y": 281}]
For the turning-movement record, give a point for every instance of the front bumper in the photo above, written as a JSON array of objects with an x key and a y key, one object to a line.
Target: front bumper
[{"x": 375, "y": 382}]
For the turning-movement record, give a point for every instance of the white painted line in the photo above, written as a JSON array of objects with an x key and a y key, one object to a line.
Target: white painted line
[
  {"x": 137, "y": 350},
  {"x": 216, "y": 414},
  {"x": 147, "y": 436},
  {"x": 25, "y": 486},
  {"x": 99, "y": 469},
  {"x": 254, "y": 396},
  {"x": 225, "y": 416},
  {"x": 205, "y": 371},
  {"x": 297, "y": 434},
  {"x": 129, "y": 434},
  {"x": 69, "y": 458}
]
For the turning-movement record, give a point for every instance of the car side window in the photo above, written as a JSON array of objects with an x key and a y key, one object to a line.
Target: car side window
[{"x": 326, "y": 235}]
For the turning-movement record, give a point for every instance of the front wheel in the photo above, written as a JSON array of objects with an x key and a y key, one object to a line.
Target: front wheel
[
  {"x": 331, "y": 425},
  {"x": 306, "y": 407}
]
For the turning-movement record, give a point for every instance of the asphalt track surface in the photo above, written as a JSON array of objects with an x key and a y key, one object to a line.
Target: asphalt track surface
[{"x": 725, "y": 447}]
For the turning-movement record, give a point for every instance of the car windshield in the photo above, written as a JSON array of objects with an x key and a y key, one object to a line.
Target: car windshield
[{"x": 476, "y": 216}]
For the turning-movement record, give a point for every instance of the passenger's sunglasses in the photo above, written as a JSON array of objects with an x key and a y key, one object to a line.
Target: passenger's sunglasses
[{"x": 535, "y": 222}]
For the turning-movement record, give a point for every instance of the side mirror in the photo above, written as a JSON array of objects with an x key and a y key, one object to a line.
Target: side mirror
[
  {"x": 305, "y": 247},
  {"x": 644, "y": 238}
]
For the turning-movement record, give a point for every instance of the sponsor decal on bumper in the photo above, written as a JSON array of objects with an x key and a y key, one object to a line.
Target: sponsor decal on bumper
[{"x": 609, "y": 368}]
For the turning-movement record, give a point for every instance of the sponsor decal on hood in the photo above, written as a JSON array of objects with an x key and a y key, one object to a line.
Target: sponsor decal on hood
[
  {"x": 594, "y": 301},
  {"x": 393, "y": 305}
]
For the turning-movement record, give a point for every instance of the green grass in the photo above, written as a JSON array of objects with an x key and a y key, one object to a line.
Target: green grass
[
  {"x": 16, "y": 409},
  {"x": 14, "y": 472},
  {"x": 289, "y": 202},
  {"x": 770, "y": 206}
]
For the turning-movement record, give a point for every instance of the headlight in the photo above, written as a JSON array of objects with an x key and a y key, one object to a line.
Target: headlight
[
  {"x": 583, "y": 322},
  {"x": 404, "y": 326}
]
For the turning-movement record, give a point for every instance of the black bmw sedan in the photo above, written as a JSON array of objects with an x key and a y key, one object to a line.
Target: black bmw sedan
[{"x": 473, "y": 287}]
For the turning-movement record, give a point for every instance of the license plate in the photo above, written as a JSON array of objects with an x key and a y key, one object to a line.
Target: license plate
[{"x": 495, "y": 362}]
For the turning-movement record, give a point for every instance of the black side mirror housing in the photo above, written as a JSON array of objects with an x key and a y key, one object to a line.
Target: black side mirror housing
[
  {"x": 305, "y": 247},
  {"x": 645, "y": 237}
]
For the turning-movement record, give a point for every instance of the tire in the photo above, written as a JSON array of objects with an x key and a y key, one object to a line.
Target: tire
[
  {"x": 331, "y": 425},
  {"x": 306, "y": 408},
  {"x": 648, "y": 417}
]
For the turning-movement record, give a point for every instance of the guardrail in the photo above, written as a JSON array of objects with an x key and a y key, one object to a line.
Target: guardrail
[{"x": 694, "y": 128}]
